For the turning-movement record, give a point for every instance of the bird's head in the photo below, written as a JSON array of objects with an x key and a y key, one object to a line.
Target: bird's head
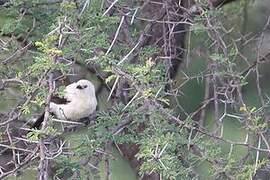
[
  {"x": 85, "y": 86},
  {"x": 80, "y": 89}
]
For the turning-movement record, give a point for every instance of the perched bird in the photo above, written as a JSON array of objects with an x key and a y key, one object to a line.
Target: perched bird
[{"x": 79, "y": 102}]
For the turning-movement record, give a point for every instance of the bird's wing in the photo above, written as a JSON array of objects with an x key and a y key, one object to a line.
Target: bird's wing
[
  {"x": 59, "y": 100},
  {"x": 54, "y": 99}
]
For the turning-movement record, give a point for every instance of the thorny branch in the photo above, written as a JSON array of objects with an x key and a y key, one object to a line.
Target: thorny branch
[
  {"x": 220, "y": 89},
  {"x": 43, "y": 164}
]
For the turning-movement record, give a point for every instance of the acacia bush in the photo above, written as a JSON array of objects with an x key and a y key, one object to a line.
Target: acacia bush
[{"x": 172, "y": 126}]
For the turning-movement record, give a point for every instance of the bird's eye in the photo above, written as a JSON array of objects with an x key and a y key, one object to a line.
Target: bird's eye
[
  {"x": 85, "y": 86},
  {"x": 79, "y": 87}
]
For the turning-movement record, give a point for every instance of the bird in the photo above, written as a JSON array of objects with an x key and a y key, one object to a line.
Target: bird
[{"x": 79, "y": 102}]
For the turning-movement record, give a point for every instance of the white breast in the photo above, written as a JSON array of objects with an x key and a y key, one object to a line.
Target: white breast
[{"x": 77, "y": 109}]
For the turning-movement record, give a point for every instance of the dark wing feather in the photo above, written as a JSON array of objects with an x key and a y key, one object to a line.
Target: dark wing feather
[
  {"x": 59, "y": 100},
  {"x": 56, "y": 100}
]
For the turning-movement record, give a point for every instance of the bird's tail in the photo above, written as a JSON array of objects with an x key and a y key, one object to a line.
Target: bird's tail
[{"x": 38, "y": 122}]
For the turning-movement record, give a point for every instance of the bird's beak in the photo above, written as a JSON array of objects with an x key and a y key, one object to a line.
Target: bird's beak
[{"x": 79, "y": 87}]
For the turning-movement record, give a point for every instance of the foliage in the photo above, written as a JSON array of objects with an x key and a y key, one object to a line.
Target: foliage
[{"x": 171, "y": 143}]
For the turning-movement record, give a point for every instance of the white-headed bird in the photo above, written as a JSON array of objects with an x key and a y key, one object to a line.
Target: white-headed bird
[{"x": 79, "y": 102}]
